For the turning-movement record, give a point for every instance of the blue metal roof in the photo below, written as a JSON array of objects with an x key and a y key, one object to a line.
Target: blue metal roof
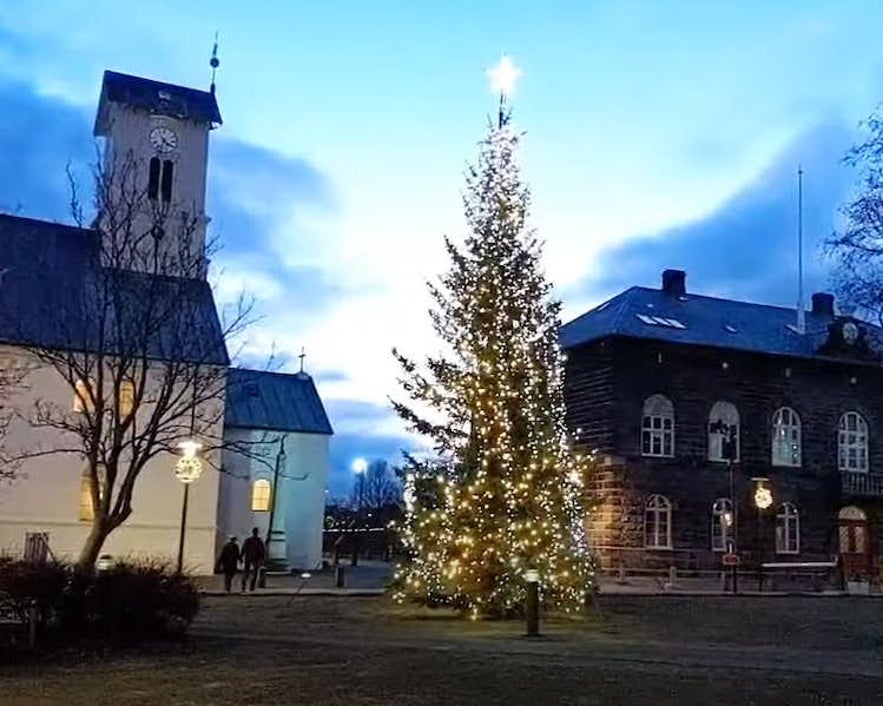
[
  {"x": 54, "y": 293},
  {"x": 157, "y": 97},
  {"x": 708, "y": 321},
  {"x": 275, "y": 401}
]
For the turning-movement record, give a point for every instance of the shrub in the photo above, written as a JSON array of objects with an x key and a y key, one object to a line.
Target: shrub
[{"x": 132, "y": 601}]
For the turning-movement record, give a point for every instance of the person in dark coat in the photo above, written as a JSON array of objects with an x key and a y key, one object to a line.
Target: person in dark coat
[
  {"x": 253, "y": 553},
  {"x": 228, "y": 561}
]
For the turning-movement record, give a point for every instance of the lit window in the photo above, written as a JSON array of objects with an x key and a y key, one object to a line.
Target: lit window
[
  {"x": 83, "y": 399},
  {"x": 87, "y": 514},
  {"x": 788, "y": 530},
  {"x": 658, "y": 427},
  {"x": 723, "y": 432},
  {"x": 721, "y": 524},
  {"x": 852, "y": 443},
  {"x": 127, "y": 398},
  {"x": 657, "y": 523},
  {"x": 786, "y": 437},
  {"x": 260, "y": 496}
]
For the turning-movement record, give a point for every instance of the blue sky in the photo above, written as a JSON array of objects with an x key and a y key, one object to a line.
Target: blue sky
[{"x": 658, "y": 135}]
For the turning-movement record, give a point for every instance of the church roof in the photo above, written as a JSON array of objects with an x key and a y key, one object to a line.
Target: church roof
[
  {"x": 157, "y": 97},
  {"x": 53, "y": 290},
  {"x": 684, "y": 317},
  {"x": 274, "y": 401}
]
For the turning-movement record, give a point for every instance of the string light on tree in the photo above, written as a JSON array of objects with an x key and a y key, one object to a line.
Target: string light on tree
[{"x": 504, "y": 492}]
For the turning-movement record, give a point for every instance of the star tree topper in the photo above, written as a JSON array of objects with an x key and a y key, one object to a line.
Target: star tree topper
[{"x": 503, "y": 77}]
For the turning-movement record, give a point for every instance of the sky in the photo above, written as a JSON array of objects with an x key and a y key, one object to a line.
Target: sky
[{"x": 656, "y": 135}]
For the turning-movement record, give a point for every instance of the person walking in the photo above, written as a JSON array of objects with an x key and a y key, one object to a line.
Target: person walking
[
  {"x": 228, "y": 561},
  {"x": 253, "y": 553}
]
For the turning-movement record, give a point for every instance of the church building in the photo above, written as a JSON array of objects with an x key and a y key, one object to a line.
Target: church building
[{"x": 126, "y": 299}]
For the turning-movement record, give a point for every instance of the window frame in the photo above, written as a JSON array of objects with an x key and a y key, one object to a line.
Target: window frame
[
  {"x": 787, "y": 519},
  {"x": 860, "y": 445},
  {"x": 657, "y": 409},
  {"x": 84, "y": 401},
  {"x": 656, "y": 507},
  {"x": 724, "y": 412},
  {"x": 783, "y": 434},
  {"x": 261, "y": 502},
  {"x": 126, "y": 399}
]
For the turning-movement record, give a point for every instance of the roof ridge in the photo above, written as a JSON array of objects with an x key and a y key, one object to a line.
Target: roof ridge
[
  {"x": 121, "y": 74},
  {"x": 43, "y": 222},
  {"x": 279, "y": 373}
]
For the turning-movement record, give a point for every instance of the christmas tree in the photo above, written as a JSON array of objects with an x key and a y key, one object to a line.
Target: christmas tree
[{"x": 504, "y": 493}]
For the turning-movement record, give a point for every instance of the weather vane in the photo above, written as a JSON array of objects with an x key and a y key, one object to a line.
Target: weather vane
[
  {"x": 214, "y": 62},
  {"x": 503, "y": 77}
]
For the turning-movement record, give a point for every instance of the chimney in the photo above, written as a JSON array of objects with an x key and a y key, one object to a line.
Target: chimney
[
  {"x": 674, "y": 282},
  {"x": 823, "y": 305}
]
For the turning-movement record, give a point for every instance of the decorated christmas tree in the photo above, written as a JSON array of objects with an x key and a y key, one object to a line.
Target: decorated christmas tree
[{"x": 504, "y": 492}]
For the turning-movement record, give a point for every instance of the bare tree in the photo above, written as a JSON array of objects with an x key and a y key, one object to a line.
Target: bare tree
[
  {"x": 381, "y": 493},
  {"x": 139, "y": 345},
  {"x": 858, "y": 246}
]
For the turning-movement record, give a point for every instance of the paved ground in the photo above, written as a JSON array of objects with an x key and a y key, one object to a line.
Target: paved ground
[{"x": 639, "y": 651}]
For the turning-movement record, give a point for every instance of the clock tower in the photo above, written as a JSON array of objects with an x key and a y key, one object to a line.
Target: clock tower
[{"x": 153, "y": 178}]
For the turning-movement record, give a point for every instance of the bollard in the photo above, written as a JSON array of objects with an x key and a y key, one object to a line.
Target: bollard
[
  {"x": 672, "y": 576},
  {"x": 532, "y": 602},
  {"x": 622, "y": 580},
  {"x": 338, "y": 576}
]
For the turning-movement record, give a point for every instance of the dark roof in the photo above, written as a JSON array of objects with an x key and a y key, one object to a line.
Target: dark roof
[
  {"x": 52, "y": 288},
  {"x": 156, "y": 97},
  {"x": 707, "y": 321},
  {"x": 275, "y": 401}
]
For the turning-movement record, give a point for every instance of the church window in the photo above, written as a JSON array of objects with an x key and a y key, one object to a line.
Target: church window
[
  {"x": 657, "y": 523},
  {"x": 260, "y": 496},
  {"x": 153, "y": 179},
  {"x": 167, "y": 167},
  {"x": 657, "y": 427},
  {"x": 126, "y": 398},
  {"x": 786, "y": 437},
  {"x": 83, "y": 400},
  {"x": 852, "y": 443}
]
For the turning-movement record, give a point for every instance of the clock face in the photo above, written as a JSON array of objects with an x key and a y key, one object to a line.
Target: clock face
[
  {"x": 850, "y": 332},
  {"x": 163, "y": 139}
]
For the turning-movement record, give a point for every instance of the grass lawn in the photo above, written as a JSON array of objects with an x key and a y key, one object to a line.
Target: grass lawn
[{"x": 641, "y": 651}]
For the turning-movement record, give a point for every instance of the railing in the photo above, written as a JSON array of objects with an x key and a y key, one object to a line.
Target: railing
[{"x": 865, "y": 484}]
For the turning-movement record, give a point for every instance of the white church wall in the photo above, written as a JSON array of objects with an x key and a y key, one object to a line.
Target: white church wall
[
  {"x": 300, "y": 505},
  {"x": 45, "y": 495}
]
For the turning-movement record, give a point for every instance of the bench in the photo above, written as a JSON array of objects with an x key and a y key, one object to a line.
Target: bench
[{"x": 817, "y": 571}]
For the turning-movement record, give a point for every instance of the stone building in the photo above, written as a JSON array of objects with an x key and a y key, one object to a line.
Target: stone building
[{"x": 675, "y": 390}]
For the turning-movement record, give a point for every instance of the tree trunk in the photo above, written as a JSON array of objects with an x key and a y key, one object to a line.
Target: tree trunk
[{"x": 92, "y": 547}]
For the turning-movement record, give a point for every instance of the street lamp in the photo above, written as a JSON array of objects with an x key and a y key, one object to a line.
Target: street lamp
[
  {"x": 187, "y": 469},
  {"x": 763, "y": 498},
  {"x": 532, "y": 607},
  {"x": 731, "y": 527},
  {"x": 360, "y": 468}
]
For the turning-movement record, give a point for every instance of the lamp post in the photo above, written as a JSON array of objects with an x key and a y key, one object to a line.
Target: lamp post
[
  {"x": 730, "y": 525},
  {"x": 763, "y": 498},
  {"x": 187, "y": 469},
  {"x": 532, "y": 602},
  {"x": 360, "y": 468}
]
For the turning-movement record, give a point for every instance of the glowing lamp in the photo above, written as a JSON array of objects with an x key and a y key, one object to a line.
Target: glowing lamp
[
  {"x": 189, "y": 467},
  {"x": 763, "y": 496},
  {"x": 531, "y": 575},
  {"x": 360, "y": 465}
]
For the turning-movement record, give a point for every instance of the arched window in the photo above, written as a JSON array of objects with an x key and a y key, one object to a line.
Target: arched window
[
  {"x": 657, "y": 523},
  {"x": 786, "y": 437},
  {"x": 723, "y": 432},
  {"x": 787, "y": 530},
  {"x": 153, "y": 179},
  {"x": 658, "y": 427},
  {"x": 852, "y": 443},
  {"x": 721, "y": 524},
  {"x": 260, "y": 496}
]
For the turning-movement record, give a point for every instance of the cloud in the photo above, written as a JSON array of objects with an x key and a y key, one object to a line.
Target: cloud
[{"x": 747, "y": 248}]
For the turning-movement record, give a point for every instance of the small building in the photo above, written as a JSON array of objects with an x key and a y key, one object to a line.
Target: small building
[
  {"x": 687, "y": 399},
  {"x": 277, "y": 484}
]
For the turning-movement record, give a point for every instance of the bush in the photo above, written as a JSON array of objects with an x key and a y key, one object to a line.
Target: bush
[{"x": 132, "y": 601}]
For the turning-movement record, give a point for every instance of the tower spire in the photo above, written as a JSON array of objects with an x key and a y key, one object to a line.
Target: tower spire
[
  {"x": 214, "y": 62},
  {"x": 801, "y": 314}
]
